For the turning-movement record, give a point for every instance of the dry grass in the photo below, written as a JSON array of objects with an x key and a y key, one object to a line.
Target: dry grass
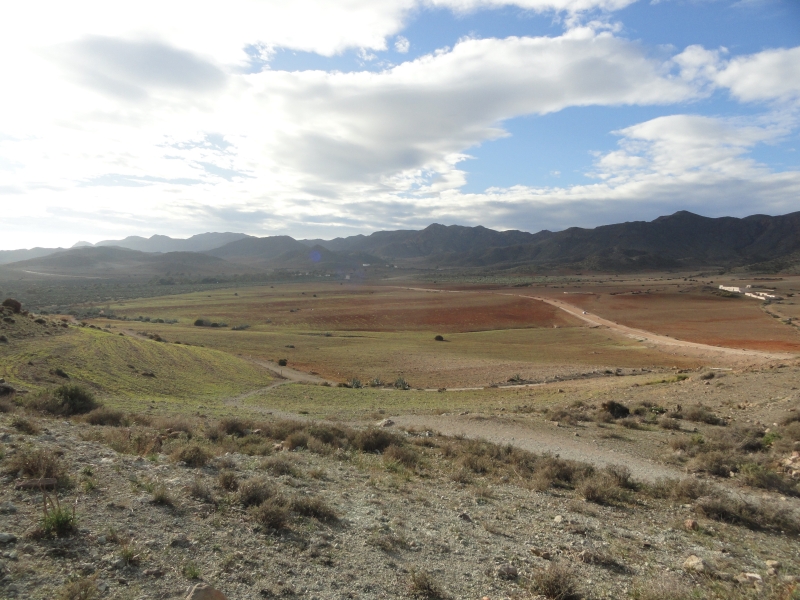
[
  {"x": 37, "y": 463},
  {"x": 556, "y": 582},
  {"x": 423, "y": 586},
  {"x": 193, "y": 455},
  {"x": 313, "y": 507},
  {"x": 25, "y": 426}
]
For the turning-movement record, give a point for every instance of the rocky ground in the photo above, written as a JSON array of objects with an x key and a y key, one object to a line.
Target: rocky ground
[{"x": 276, "y": 509}]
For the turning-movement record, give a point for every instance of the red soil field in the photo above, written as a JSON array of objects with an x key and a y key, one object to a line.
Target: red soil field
[
  {"x": 403, "y": 310},
  {"x": 695, "y": 317}
]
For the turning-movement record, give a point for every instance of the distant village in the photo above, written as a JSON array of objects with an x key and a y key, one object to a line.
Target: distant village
[{"x": 748, "y": 291}]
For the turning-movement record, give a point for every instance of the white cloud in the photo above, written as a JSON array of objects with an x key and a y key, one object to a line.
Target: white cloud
[{"x": 402, "y": 45}]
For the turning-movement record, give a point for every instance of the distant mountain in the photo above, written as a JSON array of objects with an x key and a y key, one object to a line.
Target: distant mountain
[
  {"x": 117, "y": 262},
  {"x": 81, "y": 244},
  {"x": 10, "y": 256},
  {"x": 162, "y": 243},
  {"x": 434, "y": 240},
  {"x": 257, "y": 251}
]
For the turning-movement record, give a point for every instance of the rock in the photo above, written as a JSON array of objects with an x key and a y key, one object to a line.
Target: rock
[
  {"x": 101, "y": 540},
  {"x": 695, "y": 564},
  {"x": 7, "y": 538},
  {"x": 773, "y": 564},
  {"x": 558, "y": 519},
  {"x": 153, "y": 572},
  {"x": 507, "y": 572},
  {"x": 180, "y": 541},
  {"x": 385, "y": 423},
  {"x": 748, "y": 578},
  {"x": 465, "y": 517},
  {"x": 203, "y": 591},
  {"x": 7, "y": 508},
  {"x": 691, "y": 525}
]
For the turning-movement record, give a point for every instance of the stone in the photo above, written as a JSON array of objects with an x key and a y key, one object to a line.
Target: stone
[
  {"x": 691, "y": 525},
  {"x": 465, "y": 517},
  {"x": 507, "y": 572},
  {"x": 7, "y": 508},
  {"x": 695, "y": 564},
  {"x": 558, "y": 519},
  {"x": 385, "y": 423},
  {"x": 7, "y": 538},
  {"x": 156, "y": 572},
  {"x": 180, "y": 541},
  {"x": 203, "y": 591},
  {"x": 773, "y": 564}
]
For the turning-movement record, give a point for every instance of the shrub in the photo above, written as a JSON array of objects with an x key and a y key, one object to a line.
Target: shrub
[
  {"x": 700, "y": 414},
  {"x": 14, "y": 305},
  {"x": 162, "y": 496},
  {"x": 314, "y": 507},
  {"x": 280, "y": 465},
  {"x": 84, "y": 588},
  {"x": 762, "y": 515},
  {"x": 273, "y": 513},
  {"x": 199, "y": 490},
  {"x": 374, "y": 440},
  {"x": 254, "y": 492},
  {"x": 423, "y": 586},
  {"x": 65, "y": 400},
  {"x": 721, "y": 464},
  {"x": 669, "y": 423},
  {"x": 57, "y": 520},
  {"x": 556, "y": 582},
  {"x": 105, "y": 416},
  {"x": 601, "y": 488},
  {"x": 228, "y": 481},
  {"x": 355, "y": 383},
  {"x": 439, "y": 338},
  {"x": 401, "y": 384},
  {"x": 39, "y": 463},
  {"x": 25, "y": 426},
  {"x": 682, "y": 490},
  {"x": 193, "y": 456},
  {"x": 298, "y": 439},
  {"x": 406, "y": 456},
  {"x": 6, "y": 406},
  {"x": 615, "y": 409},
  {"x": 282, "y": 362},
  {"x": 202, "y": 323},
  {"x": 235, "y": 427}
]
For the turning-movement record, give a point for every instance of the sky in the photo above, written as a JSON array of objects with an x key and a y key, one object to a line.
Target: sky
[{"x": 327, "y": 118}]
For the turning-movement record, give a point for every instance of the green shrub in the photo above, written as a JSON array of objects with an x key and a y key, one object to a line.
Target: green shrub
[{"x": 65, "y": 400}]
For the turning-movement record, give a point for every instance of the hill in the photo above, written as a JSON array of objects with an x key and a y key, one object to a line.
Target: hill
[
  {"x": 112, "y": 261},
  {"x": 10, "y": 256},
  {"x": 161, "y": 243}
]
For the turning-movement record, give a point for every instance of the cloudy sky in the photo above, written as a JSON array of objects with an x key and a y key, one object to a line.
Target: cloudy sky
[{"x": 322, "y": 118}]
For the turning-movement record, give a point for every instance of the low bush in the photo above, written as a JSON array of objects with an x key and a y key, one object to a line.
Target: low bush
[
  {"x": 84, "y": 588},
  {"x": 616, "y": 409},
  {"x": 314, "y": 507},
  {"x": 757, "y": 516},
  {"x": 682, "y": 490},
  {"x": 272, "y": 513},
  {"x": 280, "y": 465},
  {"x": 38, "y": 463},
  {"x": 282, "y": 362},
  {"x": 193, "y": 455},
  {"x": 700, "y": 414},
  {"x": 254, "y": 492},
  {"x": 404, "y": 455},
  {"x": 228, "y": 481},
  {"x": 25, "y": 426},
  {"x": 423, "y": 586},
  {"x": 105, "y": 416},
  {"x": 65, "y": 400},
  {"x": 556, "y": 582},
  {"x": 601, "y": 488},
  {"x": 199, "y": 490},
  {"x": 161, "y": 496},
  {"x": 375, "y": 440}
]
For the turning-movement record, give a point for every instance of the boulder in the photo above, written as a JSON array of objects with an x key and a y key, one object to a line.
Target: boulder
[
  {"x": 203, "y": 591},
  {"x": 695, "y": 564}
]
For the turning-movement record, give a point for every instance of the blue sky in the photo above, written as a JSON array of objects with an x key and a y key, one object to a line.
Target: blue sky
[{"x": 323, "y": 119}]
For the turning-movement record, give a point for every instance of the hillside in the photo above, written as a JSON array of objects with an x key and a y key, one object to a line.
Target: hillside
[
  {"x": 112, "y": 261},
  {"x": 10, "y": 256}
]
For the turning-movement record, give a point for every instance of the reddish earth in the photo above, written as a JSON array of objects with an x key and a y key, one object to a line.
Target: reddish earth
[
  {"x": 404, "y": 310},
  {"x": 695, "y": 317}
]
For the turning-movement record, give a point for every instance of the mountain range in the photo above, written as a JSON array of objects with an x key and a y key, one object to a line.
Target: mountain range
[{"x": 680, "y": 240}]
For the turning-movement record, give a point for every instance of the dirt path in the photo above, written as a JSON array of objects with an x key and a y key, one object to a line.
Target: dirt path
[
  {"x": 538, "y": 438},
  {"x": 640, "y": 335}
]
